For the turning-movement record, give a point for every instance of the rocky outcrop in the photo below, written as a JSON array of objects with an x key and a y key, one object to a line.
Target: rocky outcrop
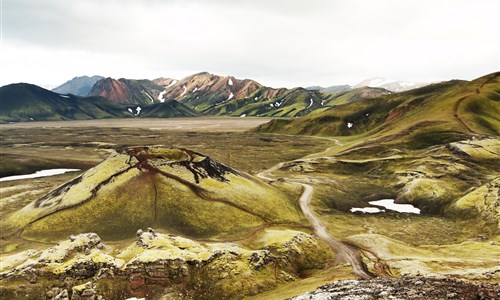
[
  {"x": 479, "y": 149},
  {"x": 414, "y": 288},
  {"x": 80, "y": 257},
  {"x": 213, "y": 270}
]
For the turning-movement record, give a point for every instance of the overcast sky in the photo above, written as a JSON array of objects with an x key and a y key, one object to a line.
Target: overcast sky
[{"x": 276, "y": 42}]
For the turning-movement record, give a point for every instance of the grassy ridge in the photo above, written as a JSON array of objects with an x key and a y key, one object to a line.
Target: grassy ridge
[{"x": 467, "y": 107}]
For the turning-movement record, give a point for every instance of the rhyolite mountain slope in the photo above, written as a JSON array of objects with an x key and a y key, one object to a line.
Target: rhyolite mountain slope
[
  {"x": 127, "y": 91},
  {"x": 202, "y": 90},
  {"x": 79, "y": 86},
  {"x": 27, "y": 102},
  {"x": 217, "y": 95},
  {"x": 174, "y": 189},
  {"x": 165, "y": 82}
]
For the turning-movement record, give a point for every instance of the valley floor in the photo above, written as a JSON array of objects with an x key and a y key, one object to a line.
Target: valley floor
[
  {"x": 409, "y": 244},
  {"x": 197, "y": 124}
]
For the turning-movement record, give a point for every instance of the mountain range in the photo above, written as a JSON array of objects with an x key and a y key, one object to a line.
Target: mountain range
[
  {"x": 390, "y": 84},
  {"x": 199, "y": 94},
  {"x": 394, "y": 86}
]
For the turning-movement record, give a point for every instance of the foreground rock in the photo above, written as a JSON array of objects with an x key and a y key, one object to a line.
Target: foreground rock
[
  {"x": 418, "y": 288},
  {"x": 159, "y": 264}
]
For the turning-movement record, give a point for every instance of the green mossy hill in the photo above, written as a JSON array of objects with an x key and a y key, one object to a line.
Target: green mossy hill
[
  {"x": 167, "y": 109},
  {"x": 178, "y": 190},
  {"x": 23, "y": 102},
  {"x": 354, "y": 95},
  {"x": 289, "y": 103},
  {"x": 458, "y": 106},
  {"x": 205, "y": 271}
]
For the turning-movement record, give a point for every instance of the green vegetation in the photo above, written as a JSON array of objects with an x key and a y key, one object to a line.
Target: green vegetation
[
  {"x": 144, "y": 187},
  {"x": 27, "y": 102},
  {"x": 435, "y": 147},
  {"x": 291, "y": 103}
]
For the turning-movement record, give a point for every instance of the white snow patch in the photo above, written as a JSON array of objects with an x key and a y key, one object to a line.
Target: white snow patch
[
  {"x": 389, "y": 204},
  {"x": 367, "y": 115},
  {"x": 243, "y": 115},
  {"x": 256, "y": 98},
  {"x": 151, "y": 98},
  {"x": 311, "y": 103},
  {"x": 64, "y": 96},
  {"x": 138, "y": 110},
  {"x": 195, "y": 89},
  {"x": 349, "y": 125},
  {"x": 130, "y": 110},
  {"x": 370, "y": 210},
  {"x": 322, "y": 102},
  {"x": 160, "y": 96},
  {"x": 230, "y": 82},
  {"x": 185, "y": 90},
  {"x": 42, "y": 173},
  {"x": 198, "y": 97},
  {"x": 272, "y": 104},
  {"x": 32, "y": 119},
  {"x": 230, "y": 97},
  {"x": 172, "y": 83}
]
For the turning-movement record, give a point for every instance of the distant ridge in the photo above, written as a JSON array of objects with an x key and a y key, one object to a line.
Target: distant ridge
[
  {"x": 391, "y": 85},
  {"x": 79, "y": 86},
  {"x": 27, "y": 102},
  {"x": 467, "y": 107}
]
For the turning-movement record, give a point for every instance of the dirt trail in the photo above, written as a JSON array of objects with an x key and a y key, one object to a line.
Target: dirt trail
[
  {"x": 345, "y": 253},
  {"x": 457, "y": 117}
]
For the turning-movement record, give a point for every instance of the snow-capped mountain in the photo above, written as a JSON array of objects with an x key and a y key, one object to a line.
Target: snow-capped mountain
[{"x": 391, "y": 85}]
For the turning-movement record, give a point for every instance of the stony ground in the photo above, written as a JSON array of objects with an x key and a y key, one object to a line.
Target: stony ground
[{"x": 404, "y": 288}]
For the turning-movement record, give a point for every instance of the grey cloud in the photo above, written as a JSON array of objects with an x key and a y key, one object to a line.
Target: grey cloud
[{"x": 281, "y": 42}]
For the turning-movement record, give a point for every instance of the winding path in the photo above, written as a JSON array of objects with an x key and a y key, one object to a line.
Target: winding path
[{"x": 345, "y": 253}]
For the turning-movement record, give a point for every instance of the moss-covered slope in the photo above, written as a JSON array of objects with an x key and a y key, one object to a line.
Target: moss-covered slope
[
  {"x": 178, "y": 190},
  {"x": 468, "y": 107}
]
